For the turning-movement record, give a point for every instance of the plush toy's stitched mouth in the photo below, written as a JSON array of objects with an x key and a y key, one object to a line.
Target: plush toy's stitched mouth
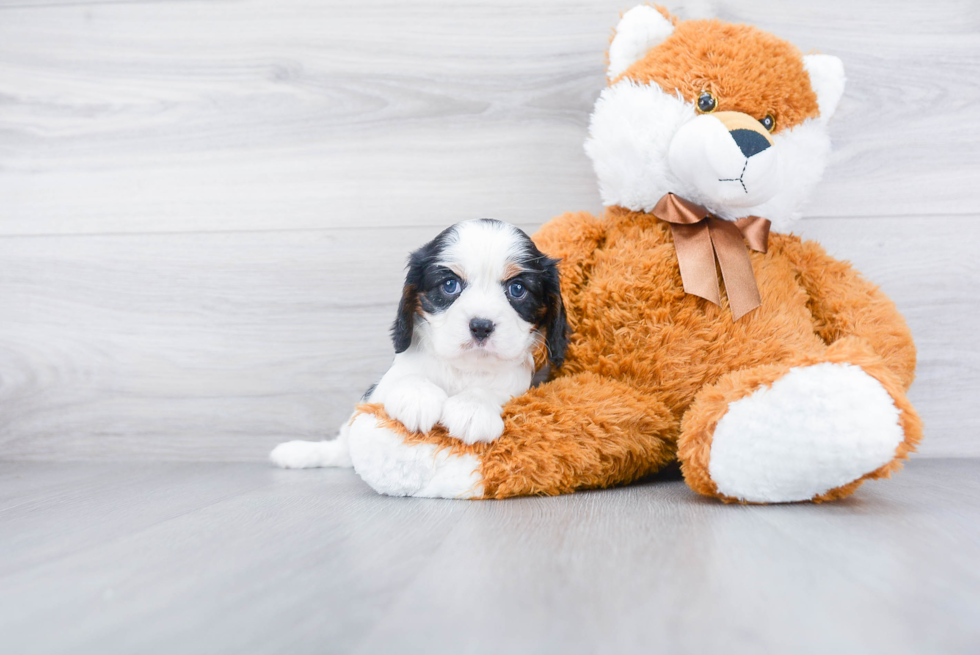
[{"x": 739, "y": 178}]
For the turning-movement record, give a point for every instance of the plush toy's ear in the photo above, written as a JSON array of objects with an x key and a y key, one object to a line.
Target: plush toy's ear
[
  {"x": 640, "y": 29},
  {"x": 555, "y": 322},
  {"x": 404, "y": 325},
  {"x": 827, "y": 81}
]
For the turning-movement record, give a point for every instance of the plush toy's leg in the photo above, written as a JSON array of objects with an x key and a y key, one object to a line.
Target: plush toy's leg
[
  {"x": 810, "y": 429},
  {"x": 578, "y": 432}
]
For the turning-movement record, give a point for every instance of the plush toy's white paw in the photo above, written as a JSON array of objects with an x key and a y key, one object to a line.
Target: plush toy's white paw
[
  {"x": 472, "y": 419},
  {"x": 391, "y": 467},
  {"x": 310, "y": 454},
  {"x": 417, "y": 404},
  {"x": 815, "y": 429}
]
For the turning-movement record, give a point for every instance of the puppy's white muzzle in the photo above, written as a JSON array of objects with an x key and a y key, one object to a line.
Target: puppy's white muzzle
[{"x": 727, "y": 159}]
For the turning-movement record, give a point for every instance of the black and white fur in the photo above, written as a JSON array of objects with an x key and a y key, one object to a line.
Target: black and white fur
[{"x": 477, "y": 301}]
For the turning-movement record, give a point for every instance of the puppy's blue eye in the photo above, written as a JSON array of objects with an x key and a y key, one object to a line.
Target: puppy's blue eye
[
  {"x": 516, "y": 290},
  {"x": 451, "y": 286}
]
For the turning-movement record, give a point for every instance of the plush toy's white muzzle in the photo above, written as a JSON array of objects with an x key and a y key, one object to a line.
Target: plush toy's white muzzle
[{"x": 727, "y": 159}]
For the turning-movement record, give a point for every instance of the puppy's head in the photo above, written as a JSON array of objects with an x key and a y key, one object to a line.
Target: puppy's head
[{"x": 480, "y": 293}]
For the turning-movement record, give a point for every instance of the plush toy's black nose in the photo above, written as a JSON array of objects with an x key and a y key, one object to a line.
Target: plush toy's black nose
[
  {"x": 481, "y": 328},
  {"x": 750, "y": 142}
]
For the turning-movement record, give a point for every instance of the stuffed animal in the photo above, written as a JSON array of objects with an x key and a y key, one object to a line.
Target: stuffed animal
[{"x": 784, "y": 380}]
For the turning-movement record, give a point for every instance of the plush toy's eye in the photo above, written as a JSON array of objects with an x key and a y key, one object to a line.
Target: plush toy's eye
[
  {"x": 769, "y": 122},
  {"x": 706, "y": 103}
]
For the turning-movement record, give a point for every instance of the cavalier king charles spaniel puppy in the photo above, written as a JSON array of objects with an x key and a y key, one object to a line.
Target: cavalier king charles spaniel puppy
[{"x": 478, "y": 301}]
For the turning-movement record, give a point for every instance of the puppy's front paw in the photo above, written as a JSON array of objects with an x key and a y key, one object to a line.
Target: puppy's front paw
[
  {"x": 417, "y": 405},
  {"x": 472, "y": 419}
]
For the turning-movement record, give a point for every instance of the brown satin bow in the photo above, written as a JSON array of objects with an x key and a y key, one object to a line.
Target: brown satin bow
[{"x": 699, "y": 237}]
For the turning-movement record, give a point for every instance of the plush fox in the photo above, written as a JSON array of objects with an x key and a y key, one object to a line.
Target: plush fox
[{"x": 782, "y": 380}]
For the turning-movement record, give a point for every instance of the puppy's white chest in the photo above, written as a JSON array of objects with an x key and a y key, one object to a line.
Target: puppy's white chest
[{"x": 504, "y": 383}]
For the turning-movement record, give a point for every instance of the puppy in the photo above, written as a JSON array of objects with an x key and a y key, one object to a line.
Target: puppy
[{"x": 478, "y": 300}]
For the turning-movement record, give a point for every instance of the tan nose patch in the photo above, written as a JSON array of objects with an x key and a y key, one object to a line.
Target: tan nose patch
[{"x": 736, "y": 120}]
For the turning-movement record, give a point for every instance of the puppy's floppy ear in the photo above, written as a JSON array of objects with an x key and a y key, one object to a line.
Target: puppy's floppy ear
[
  {"x": 555, "y": 323},
  {"x": 404, "y": 325}
]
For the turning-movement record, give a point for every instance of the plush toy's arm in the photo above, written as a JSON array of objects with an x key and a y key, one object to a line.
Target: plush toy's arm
[
  {"x": 844, "y": 304},
  {"x": 576, "y": 432}
]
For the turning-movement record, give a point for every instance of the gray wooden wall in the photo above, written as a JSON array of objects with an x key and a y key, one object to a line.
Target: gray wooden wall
[{"x": 205, "y": 206}]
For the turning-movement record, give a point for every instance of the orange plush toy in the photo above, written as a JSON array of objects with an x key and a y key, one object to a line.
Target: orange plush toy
[{"x": 784, "y": 380}]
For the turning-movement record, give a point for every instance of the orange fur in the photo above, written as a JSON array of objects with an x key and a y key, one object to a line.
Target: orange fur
[
  {"x": 862, "y": 310},
  {"x": 724, "y": 58}
]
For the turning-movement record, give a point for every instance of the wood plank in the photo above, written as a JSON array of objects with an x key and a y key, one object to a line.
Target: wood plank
[
  {"x": 314, "y": 561},
  {"x": 653, "y": 567},
  {"x": 217, "y": 346},
  {"x": 300, "y": 563},
  {"x": 174, "y": 116},
  {"x": 88, "y": 498}
]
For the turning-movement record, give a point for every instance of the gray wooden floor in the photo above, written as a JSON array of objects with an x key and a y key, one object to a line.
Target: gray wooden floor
[{"x": 243, "y": 558}]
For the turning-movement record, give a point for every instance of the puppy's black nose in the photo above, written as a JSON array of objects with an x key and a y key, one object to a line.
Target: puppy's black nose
[
  {"x": 749, "y": 142},
  {"x": 480, "y": 328}
]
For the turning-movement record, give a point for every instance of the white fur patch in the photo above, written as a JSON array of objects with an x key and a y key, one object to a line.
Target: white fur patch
[
  {"x": 391, "y": 467},
  {"x": 473, "y": 416},
  {"x": 640, "y": 29},
  {"x": 311, "y": 454},
  {"x": 629, "y": 135},
  {"x": 827, "y": 80},
  {"x": 816, "y": 429},
  {"x": 803, "y": 154},
  {"x": 413, "y": 401}
]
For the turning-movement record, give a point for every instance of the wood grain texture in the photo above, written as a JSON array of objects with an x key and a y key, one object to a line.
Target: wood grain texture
[
  {"x": 205, "y": 206},
  {"x": 177, "y": 116},
  {"x": 234, "y": 558},
  {"x": 218, "y": 346}
]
